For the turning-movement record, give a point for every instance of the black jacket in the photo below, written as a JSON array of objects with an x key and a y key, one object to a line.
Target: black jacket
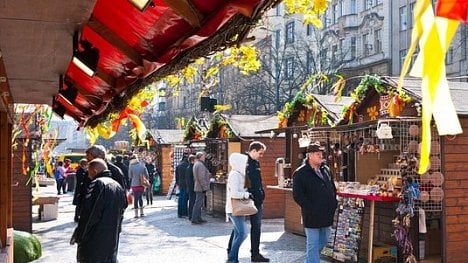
[
  {"x": 151, "y": 171},
  {"x": 102, "y": 208},
  {"x": 117, "y": 175},
  {"x": 180, "y": 174},
  {"x": 256, "y": 185},
  {"x": 189, "y": 178},
  {"x": 315, "y": 196},
  {"x": 124, "y": 170},
  {"x": 80, "y": 175}
]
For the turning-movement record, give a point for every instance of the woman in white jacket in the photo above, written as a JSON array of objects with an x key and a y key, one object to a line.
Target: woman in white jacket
[{"x": 236, "y": 189}]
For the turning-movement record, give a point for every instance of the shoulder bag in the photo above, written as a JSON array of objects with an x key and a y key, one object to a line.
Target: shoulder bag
[
  {"x": 243, "y": 207},
  {"x": 144, "y": 182}
]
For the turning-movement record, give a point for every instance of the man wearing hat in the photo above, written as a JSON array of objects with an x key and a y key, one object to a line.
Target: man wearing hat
[{"x": 314, "y": 191}]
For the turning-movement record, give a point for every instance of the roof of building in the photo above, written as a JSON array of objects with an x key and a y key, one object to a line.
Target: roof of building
[
  {"x": 247, "y": 125},
  {"x": 167, "y": 136},
  {"x": 458, "y": 91},
  {"x": 333, "y": 108}
]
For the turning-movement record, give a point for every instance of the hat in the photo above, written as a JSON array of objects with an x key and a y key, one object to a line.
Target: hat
[{"x": 315, "y": 147}]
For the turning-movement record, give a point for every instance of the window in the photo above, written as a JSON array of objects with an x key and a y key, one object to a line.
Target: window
[
  {"x": 309, "y": 29},
  {"x": 341, "y": 8},
  {"x": 277, "y": 38},
  {"x": 162, "y": 106},
  {"x": 334, "y": 54},
  {"x": 378, "y": 2},
  {"x": 449, "y": 56},
  {"x": 365, "y": 44},
  {"x": 403, "y": 53},
  {"x": 367, "y": 4},
  {"x": 334, "y": 13},
  {"x": 378, "y": 40},
  {"x": 353, "y": 7},
  {"x": 403, "y": 18},
  {"x": 278, "y": 10},
  {"x": 290, "y": 32},
  {"x": 411, "y": 15},
  {"x": 289, "y": 70},
  {"x": 353, "y": 47},
  {"x": 310, "y": 61},
  {"x": 323, "y": 57}
]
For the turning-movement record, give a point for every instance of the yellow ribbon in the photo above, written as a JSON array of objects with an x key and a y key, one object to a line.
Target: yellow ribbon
[{"x": 434, "y": 35}]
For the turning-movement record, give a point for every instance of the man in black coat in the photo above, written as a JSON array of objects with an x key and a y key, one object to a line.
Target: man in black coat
[
  {"x": 102, "y": 208},
  {"x": 181, "y": 182},
  {"x": 99, "y": 151},
  {"x": 190, "y": 184},
  {"x": 314, "y": 191}
]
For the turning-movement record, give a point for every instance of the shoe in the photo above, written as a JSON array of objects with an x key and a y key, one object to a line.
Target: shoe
[
  {"x": 259, "y": 258},
  {"x": 203, "y": 221},
  {"x": 196, "y": 223}
]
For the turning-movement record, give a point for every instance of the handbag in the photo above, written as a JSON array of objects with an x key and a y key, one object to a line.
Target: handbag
[
  {"x": 243, "y": 207},
  {"x": 143, "y": 181}
]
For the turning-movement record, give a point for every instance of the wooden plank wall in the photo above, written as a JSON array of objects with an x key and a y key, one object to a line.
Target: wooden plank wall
[
  {"x": 166, "y": 174},
  {"x": 22, "y": 192},
  {"x": 5, "y": 177},
  {"x": 455, "y": 212},
  {"x": 274, "y": 201}
]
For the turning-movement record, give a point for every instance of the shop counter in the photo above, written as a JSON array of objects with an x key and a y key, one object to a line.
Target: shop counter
[
  {"x": 216, "y": 198},
  {"x": 292, "y": 211}
]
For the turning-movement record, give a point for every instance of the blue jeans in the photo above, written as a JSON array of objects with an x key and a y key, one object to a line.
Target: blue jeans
[
  {"x": 255, "y": 231},
  {"x": 182, "y": 209},
  {"x": 240, "y": 234},
  {"x": 317, "y": 239}
]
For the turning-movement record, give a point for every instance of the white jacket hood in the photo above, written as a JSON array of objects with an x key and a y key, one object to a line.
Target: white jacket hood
[{"x": 238, "y": 162}]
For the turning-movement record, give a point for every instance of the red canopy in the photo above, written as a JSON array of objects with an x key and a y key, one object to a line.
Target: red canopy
[{"x": 134, "y": 45}]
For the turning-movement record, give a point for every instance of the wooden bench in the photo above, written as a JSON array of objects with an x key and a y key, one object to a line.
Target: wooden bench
[{"x": 48, "y": 206}]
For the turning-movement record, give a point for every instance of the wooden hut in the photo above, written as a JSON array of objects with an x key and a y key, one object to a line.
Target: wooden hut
[
  {"x": 302, "y": 113},
  {"x": 164, "y": 149},
  {"x": 234, "y": 133}
]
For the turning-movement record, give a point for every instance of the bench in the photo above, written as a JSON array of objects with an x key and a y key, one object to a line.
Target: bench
[{"x": 48, "y": 206}]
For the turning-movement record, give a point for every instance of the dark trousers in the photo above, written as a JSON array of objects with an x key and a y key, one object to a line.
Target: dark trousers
[
  {"x": 182, "y": 203},
  {"x": 191, "y": 201},
  {"x": 149, "y": 194},
  {"x": 255, "y": 231},
  {"x": 59, "y": 185}
]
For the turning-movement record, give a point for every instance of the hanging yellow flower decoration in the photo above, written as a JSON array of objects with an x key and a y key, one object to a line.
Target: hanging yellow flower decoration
[
  {"x": 373, "y": 113},
  {"x": 310, "y": 9}
]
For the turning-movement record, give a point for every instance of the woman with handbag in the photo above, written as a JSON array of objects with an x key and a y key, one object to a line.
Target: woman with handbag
[
  {"x": 236, "y": 189},
  {"x": 138, "y": 175}
]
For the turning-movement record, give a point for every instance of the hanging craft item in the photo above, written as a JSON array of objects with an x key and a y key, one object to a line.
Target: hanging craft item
[
  {"x": 373, "y": 113},
  {"x": 384, "y": 131},
  {"x": 436, "y": 178},
  {"x": 413, "y": 130}
]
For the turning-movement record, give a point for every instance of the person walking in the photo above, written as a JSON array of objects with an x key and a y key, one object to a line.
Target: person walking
[
  {"x": 314, "y": 191},
  {"x": 151, "y": 172},
  {"x": 190, "y": 185},
  {"x": 256, "y": 151},
  {"x": 135, "y": 171},
  {"x": 124, "y": 168},
  {"x": 81, "y": 174},
  {"x": 182, "y": 210},
  {"x": 236, "y": 188},
  {"x": 99, "y": 225},
  {"x": 201, "y": 179},
  {"x": 59, "y": 175}
]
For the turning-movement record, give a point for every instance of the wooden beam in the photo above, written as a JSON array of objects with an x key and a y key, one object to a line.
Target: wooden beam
[
  {"x": 114, "y": 40},
  {"x": 186, "y": 10},
  {"x": 5, "y": 178}
]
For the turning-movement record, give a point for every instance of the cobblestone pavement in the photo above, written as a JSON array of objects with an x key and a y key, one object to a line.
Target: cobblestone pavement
[{"x": 161, "y": 236}]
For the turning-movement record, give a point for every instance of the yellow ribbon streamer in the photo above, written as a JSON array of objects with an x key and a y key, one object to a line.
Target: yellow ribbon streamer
[{"x": 434, "y": 36}]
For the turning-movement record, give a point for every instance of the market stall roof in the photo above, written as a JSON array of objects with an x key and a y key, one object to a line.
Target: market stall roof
[
  {"x": 107, "y": 50},
  {"x": 245, "y": 126},
  {"x": 458, "y": 91},
  {"x": 162, "y": 136},
  {"x": 333, "y": 107}
]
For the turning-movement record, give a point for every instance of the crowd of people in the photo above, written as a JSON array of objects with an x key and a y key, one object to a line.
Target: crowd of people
[{"x": 102, "y": 189}]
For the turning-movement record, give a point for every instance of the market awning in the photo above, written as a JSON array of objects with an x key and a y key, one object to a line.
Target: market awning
[{"x": 124, "y": 48}]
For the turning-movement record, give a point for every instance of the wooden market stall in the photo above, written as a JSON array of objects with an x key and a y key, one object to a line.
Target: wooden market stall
[
  {"x": 166, "y": 140},
  {"x": 226, "y": 134},
  {"x": 378, "y": 139},
  {"x": 305, "y": 111}
]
